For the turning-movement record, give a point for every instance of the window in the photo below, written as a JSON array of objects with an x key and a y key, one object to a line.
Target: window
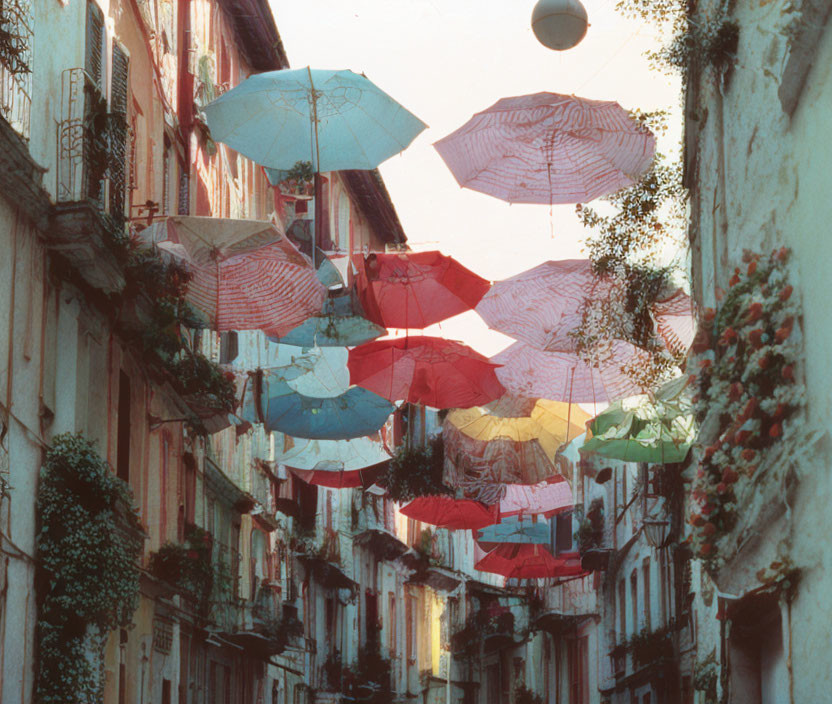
[
  {"x": 662, "y": 587},
  {"x": 411, "y": 623},
  {"x": 117, "y": 132},
  {"x": 123, "y": 428},
  {"x": 563, "y": 532},
  {"x": 645, "y": 571},
  {"x": 578, "y": 662},
  {"x": 391, "y": 624},
  {"x": 229, "y": 346},
  {"x": 93, "y": 59},
  {"x": 634, "y": 600},
  {"x": 622, "y": 610}
]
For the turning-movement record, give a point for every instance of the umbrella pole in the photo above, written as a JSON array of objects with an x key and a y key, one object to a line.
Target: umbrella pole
[{"x": 316, "y": 161}]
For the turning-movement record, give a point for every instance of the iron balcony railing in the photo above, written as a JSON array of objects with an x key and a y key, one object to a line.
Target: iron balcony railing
[
  {"x": 16, "y": 37},
  {"x": 93, "y": 147}
]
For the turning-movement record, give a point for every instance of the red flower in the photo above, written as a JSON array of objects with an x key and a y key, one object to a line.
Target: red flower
[
  {"x": 755, "y": 311},
  {"x": 704, "y": 363},
  {"x": 729, "y": 475},
  {"x": 729, "y": 336},
  {"x": 735, "y": 391},
  {"x": 734, "y": 280},
  {"x": 710, "y": 314},
  {"x": 752, "y": 267},
  {"x": 697, "y": 520},
  {"x": 782, "y": 254},
  {"x": 775, "y": 431},
  {"x": 763, "y": 362},
  {"x": 706, "y": 549},
  {"x": 786, "y": 293},
  {"x": 788, "y": 372},
  {"x": 750, "y": 407},
  {"x": 708, "y": 529},
  {"x": 748, "y": 454},
  {"x": 710, "y": 450},
  {"x": 755, "y": 337},
  {"x": 721, "y": 488},
  {"x": 782, "y": 334},
  {"x": 780, "y": 411}
]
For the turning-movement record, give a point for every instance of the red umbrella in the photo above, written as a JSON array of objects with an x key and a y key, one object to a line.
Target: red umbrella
[
  {"x": 526, "y": 561},
  {"x": 426, "y": 370},
  {"x": 415, "y": 289},
  {"x": 450, "y": 513},
  {"x": 351, "y": 479}
]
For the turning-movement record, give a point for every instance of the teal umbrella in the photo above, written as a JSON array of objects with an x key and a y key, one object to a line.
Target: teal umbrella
[
  {"x": 658, "y": 429},
  {"x": 516, "y": 529},
  {"x": 352, "y": 414},
  {"x": 334, "y": 119},
  {"x": 341, "y": 324}
]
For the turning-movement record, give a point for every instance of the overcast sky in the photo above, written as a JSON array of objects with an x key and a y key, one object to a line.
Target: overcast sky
[{"x": 444, "y": 60}]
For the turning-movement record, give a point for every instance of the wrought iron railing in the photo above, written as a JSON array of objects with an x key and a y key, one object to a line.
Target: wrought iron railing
[
  {"x": 16, "y": 38},
  {"x": 93, "y": 147}
]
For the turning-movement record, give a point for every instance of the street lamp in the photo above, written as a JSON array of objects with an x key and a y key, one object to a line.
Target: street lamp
[
  {"x": 559, "y": 24},
  {"x": 655, "y": 532}
]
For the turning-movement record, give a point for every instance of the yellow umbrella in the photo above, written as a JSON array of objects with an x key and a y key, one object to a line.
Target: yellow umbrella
[
  {"x": 550, "y": 423},
  {"x": 513, "y": 441}
]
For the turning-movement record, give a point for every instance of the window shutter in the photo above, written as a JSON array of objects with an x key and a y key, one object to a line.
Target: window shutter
[
  {"x": 95, "y": 43},
  {"x": 118, "y": 132}
]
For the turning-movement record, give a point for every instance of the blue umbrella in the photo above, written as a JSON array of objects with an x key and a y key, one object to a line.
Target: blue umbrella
[
  {"x": 334, "y": 119},
  {"x": 353, "y": 414},
  {"x": 339, "y": 325},
  {"x": 517, "y": 530}
]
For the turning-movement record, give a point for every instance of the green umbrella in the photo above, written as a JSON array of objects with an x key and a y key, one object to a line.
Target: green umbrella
[{"x": 658, "y": 429}]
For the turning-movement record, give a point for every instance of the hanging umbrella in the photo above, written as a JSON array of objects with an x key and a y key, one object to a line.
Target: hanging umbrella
[
  {"x": 515, "y": 530},
  {"x": 643, "y": 429},
  {"x": 338, "y": 456},
  {"x": 245, "y": 274},
  {"x": 564, "y": 376},
  {"x": 335, "y": 119},
  {"x": 546, "y": 498},
  {"x": 548, "y": 148},
  {"x": 415, "y": 289},
  {"x": 426, "y": 370},
  {"x": 352, "y": 414},
  {"x": 342, "y": 480},
  {"x": 525, "y": 561},
  {"x": 341, "y": 324},
  {"x": 485, "y": 452},
  {"x": 543, "y": 305},
  {"x": 320, "y": 372},
  {"x": 300, "y": 234},
  {"x": 450, "y": 513}
]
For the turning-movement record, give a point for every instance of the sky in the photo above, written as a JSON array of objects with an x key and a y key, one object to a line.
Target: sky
[{"x": 445, "y": 60}]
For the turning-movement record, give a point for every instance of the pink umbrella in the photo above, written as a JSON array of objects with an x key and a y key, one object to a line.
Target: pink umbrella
[
  {"x": 546, "y": 498},
  {"x": 246, "y": 275},
  {"x": 548, "y": 148},
  {"x": 543, "y": 305},
  {"x": 564, "y": 376}
]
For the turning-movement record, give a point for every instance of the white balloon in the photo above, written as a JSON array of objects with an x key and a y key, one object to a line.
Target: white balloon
[{"x": 559, "y": 24}]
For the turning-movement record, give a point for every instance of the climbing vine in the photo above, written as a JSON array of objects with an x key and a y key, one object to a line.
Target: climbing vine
[
  {"x": 88, "y": 544},
  {"x": 417, "y": 471}
]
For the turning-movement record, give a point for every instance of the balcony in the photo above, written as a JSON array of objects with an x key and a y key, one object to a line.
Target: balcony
[
  {"x": 567, "y": 604},
  {"x": 16, "y": 36},
  {"x": 87, "y": 226}
]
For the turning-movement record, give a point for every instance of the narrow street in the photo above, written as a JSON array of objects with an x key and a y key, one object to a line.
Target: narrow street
[{"x": 444, "y": 352}]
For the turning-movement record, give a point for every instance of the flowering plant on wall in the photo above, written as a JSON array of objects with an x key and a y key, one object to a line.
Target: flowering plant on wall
[{"x": 745, "y": 359}]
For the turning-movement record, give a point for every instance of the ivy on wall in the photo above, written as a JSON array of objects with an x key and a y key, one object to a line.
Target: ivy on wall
[{"x": 88, "y": 544}]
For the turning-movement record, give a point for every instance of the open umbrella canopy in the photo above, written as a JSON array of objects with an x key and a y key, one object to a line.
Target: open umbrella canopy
[
  {"x": 427, "y": 370},
  {"x": 515, "y": 530},
  {"x": 525, "y": 561},
  {"x": 341, "y": 324},
  {"x": 643, "y": 429},
  {"x": 548, "y": 148},
  {"x": 342, "y": 480},
  {"x": 352, "y": 414},
  {"x": 544, "y": 305},
  {"x": 485, "y": 452},
  {"x": 450, "y": 513},
  {"x": 334, "y": 119},
  {"x": 415, "y": 289},
  {"x": 564, "y": 376},
  {"x": 340, "y": 456},
  {"x": 246, "y": 275},
  {"x": 546, "y": 498}
]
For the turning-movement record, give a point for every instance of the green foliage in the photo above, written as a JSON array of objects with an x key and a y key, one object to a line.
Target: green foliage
[
  {"x": 650, "y": 646},
  {"x": 524, "y": 695},
  {"x": 301, "y": 171},
  {"x": 369, "y": 680},
  {"x": 88, "y": 544},
  {"x": 187, "y": 567},
  {"x": 417, "y": 471}
]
